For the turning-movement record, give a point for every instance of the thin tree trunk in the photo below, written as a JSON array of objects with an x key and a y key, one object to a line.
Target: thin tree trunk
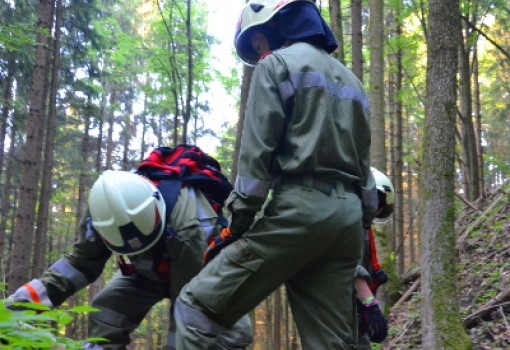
[
  {"x": 109, "y": 137},
  {"x": 478, "y": 119},
  {"x": 189, "y": 96},
  {"x": 23, "y": 232},
  {"x": 245, "y": 86},
  {"x": 7, "y": 96},
  {"x": 9, "y": 197},
  {"x": 39, "y": 263},
  {"x": 357, "y": 39},
  {"x": 376, "y": 86},
  {"x": 335, "y": 14},
  {"x": 277, "y": 320}
]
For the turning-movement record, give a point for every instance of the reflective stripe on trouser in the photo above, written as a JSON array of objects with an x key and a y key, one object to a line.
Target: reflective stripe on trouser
[
  {"x": 307, "y": 239},
  {"x": 212, "y": 337}
]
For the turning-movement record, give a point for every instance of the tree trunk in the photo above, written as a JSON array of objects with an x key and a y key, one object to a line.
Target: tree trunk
[
  {"x": 7, "y": 96},
  {"x": 8, "y": 196},
  {"x": 478, "y": 119},
  {"x": 23, "y": 231},
  {"x": 376, "y": 86},
  {"x": 189, "y": 95},
  {"x": 467, "y": 131},
  {"x": 277, "y": 319},
  {"x": 357, "y": 39},
  {"x": 442, "y": 326},
  {"x": 41, "y": 233},
  {"x": 245, "y": 87},
  {"x": 335, "y": 14},
  {"x": 110, "y": 146}
]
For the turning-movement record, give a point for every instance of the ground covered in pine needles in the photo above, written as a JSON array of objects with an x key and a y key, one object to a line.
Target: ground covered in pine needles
[{"x": 484, "y": 280}]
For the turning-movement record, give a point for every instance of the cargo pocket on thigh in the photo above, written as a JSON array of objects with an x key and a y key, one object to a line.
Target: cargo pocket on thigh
[{"x": 225, "y": 276}]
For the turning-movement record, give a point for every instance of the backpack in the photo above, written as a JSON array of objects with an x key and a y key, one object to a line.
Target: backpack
[{"x": 170, "y": 168}]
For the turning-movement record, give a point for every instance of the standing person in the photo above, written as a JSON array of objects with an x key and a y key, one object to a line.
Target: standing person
[
  {"x": 159, "y": 234},
  {"x": 372, "y": 325},
  {"x": 306, "y": 136}
]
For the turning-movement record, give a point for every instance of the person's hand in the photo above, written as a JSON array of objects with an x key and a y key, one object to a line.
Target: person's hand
[
  {"x": 377, "y": 324},
  {"x": 31, "y": 292},
  {"x": 378, "y": 277},
  {"x": 225, "y": 238}
]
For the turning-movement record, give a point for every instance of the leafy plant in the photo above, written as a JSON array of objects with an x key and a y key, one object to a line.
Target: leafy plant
[{"x": 36, "y": 326}]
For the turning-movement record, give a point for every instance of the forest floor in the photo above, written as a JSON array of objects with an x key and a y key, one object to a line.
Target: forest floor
[{"x": 484, "y": 279}]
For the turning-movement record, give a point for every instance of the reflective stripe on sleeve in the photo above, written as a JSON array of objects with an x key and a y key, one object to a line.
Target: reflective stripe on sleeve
[
  {"x": 197, "y": 319},
  {"x": 71, "y": 273},
  {"x": 296, "y": 81},
  {"x": 252, "y": 187}
]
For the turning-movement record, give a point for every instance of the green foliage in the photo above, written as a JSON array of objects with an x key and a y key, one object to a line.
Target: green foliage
[{"x": 37, "y": 327}]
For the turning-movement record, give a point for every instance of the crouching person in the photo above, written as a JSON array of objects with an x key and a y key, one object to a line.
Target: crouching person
[{"x": 159, "y": 246}]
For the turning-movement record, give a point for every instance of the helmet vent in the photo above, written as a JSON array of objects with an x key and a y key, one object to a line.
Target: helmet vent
[{"x": 256, "y": 7}]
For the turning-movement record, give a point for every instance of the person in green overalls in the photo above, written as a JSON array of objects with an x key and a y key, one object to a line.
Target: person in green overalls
[
  {"x": 306, "y": 136},
  {"x": 159, "y": 250}
]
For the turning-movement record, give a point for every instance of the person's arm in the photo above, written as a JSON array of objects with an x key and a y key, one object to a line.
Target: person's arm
[
  {"x": 370, "y": 316},
  {"x": 263, "y": 128},
  {"x": 69, "y": 274}
]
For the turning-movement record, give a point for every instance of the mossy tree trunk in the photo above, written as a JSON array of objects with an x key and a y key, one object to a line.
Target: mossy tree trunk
[{"x": 442, "y": 325}]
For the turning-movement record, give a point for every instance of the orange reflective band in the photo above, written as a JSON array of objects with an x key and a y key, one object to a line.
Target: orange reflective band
[{"x": 32, "y": 292}]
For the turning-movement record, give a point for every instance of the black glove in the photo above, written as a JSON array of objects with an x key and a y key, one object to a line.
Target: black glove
[
  {"x": 378, "y": 326},
  {"x": 378, "y": 277}
]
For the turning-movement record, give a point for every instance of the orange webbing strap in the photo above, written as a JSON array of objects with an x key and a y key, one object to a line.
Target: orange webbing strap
[
  {"x": 373, "y": 252},
  {"x": 32, "y": 292}
]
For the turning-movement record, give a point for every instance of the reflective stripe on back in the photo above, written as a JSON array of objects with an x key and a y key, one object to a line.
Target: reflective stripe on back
[{"x": 296, "y": 81}]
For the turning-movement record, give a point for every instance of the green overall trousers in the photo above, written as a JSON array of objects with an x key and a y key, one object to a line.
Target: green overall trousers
[{"x": 309, "y": 239}]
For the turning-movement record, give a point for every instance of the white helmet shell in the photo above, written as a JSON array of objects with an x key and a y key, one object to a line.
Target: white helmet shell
[
  {"x": 386, "y": 193},
  {"x": 256, "y": 13},
  {"x": 127, "y": 210}
]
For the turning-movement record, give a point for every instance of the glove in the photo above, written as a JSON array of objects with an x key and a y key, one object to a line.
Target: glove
[
  {"x": 34, "y": 292},
  {"x": 377, "y": 324},
  {"x": 225, "y": 238},
  {"x": 362, "y": 319},
  {"x": 378, "y": 277}
]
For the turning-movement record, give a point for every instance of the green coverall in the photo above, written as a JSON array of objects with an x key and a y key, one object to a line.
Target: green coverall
[
  {"x": 306, "y": 136},
  {"x": 126, "y": 300}
]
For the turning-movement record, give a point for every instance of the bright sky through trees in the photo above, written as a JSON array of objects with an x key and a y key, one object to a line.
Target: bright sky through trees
[{"x": 223, "y": 17}]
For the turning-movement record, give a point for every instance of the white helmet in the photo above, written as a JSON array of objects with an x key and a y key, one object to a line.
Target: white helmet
[
  {"x": 385, "y": 193},
  {"x": 127, "y": 210},
  {"x": 258, "y": 13}
]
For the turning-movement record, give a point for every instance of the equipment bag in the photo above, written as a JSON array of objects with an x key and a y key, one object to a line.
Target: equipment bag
[{"x": 171, "y": 168}]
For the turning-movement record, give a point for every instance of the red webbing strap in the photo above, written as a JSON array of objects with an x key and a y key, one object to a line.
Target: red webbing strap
[
  {"x": 32, "y": 292},
  {"x": 373, "y": 252}
]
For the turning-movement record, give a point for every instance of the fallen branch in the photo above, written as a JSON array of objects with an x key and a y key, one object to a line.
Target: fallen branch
[
  {"x": 408, "y": 293},
  {"x": 411, "y": 275},
  {"x": 501, "y": 300}
]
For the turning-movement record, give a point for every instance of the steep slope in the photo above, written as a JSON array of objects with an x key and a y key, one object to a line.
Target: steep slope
[{"x": 484, "y": 279}]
